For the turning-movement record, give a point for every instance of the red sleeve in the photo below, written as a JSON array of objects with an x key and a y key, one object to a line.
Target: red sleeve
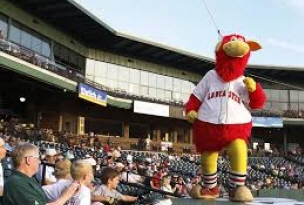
[
  {"x": 257, "y": 98},
  {"x": 193, "y": 103}
]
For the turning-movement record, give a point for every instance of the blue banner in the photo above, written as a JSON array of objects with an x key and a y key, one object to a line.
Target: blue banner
[
  {"x": 91, "y": 94},
  {"x": 275, "y": 122}
]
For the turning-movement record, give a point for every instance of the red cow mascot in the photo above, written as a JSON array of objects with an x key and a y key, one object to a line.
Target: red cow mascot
[{"x": 218, "y": 110}]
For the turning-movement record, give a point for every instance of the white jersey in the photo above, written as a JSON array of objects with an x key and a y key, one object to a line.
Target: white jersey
[{"x": 222, "y": 102}]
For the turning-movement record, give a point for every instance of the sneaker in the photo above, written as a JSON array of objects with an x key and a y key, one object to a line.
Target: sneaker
[
  {"x": 240, "y": 194},
  {"x": 210, "y": 193}
]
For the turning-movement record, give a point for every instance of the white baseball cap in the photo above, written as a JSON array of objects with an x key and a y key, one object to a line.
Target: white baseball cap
[{"x": 50, "y": 152}]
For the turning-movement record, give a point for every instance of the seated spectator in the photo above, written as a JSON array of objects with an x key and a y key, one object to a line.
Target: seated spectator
[
  {"x": 155, "y": 182},
  {"x": 165, "y": 185},
  {"x": 110, "y": 179},
  {"x": 128, "y": 176},
  {"x": 63, "y": 174},
  {"x": 10, "y": 144},
  {"x": 181, "y": 189},
  {"x": 21, "y": 188},
  {"x": 82, "y": 172},
  {"x": 48, "y": 177}
]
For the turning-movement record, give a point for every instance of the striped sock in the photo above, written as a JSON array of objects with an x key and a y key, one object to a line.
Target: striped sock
[
  {"x": 210, "y": 180},
  {"x": 236, "y": 179}
]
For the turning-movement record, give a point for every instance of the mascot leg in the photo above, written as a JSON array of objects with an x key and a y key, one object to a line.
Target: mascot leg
[
  {"x": 209, "y": 167},
  {"x": 237, "y": 152}
]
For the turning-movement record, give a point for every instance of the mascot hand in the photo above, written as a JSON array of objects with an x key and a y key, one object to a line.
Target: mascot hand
[
  {"x": 191, "y": 116},
  {"x": 250, "y": 84}
]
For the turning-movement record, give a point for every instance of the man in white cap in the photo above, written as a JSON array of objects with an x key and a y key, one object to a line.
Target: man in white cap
[{"x": 47, "y": 176}]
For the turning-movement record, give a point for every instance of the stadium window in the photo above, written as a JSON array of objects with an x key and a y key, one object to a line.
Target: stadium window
[
  {"x": 56, "y": 51},
  {"x": 112, "y": 71},
  {"x": 168, "y": 94},
  {"x": 72, "y": 58},
  {"x": 134, "y": 88},
  {"x": 267, "y": 106},
  {"x": 3, "y": 25},
  {"x": 294, "y": 96},
  {"x": 186, "y": 86},
  {"x": 112, "y": 83},
  {"x": 123, "y": 85},
  {"x": 268, "y": 94},
  {"x": 99, "y": 80},
  {"x": 101, "y": 69},
  {"x": 177, "y": 96},
  {"x": 15, "y": 32},
  {"x": 301, "y": 96},
  {"x": 134, "y": 76},
  {"x": 144, "y": 91},
  {"x": 123, "y": 74},
  {"x": 46, "y": 48},
  {"x": 275, "y": 95},
  {"x": 294, "y": 106},
  {"x": 177, "y": 84},
  {"x": 144, "y": 78},
  {"x": 26, "y": 38},
  {"x": 168, "y": 83},
  {"x": 160, "y": 94},
  {"x": 160, "y": 81},
  {"x": 64, "y": 54},
  {"x": 283, "y": 96},
  {"x": 36, "y": 44},
  {"x": 152, "y": 80},
  {"x": 152, "y": 92},
  {"x": 81, "y": 62}
]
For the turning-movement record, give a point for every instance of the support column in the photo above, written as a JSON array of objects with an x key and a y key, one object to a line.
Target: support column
[
  {"x": 158, "y": 133},
  {"x": 175, "y": 136},
  {"x": 80, "y": 125},
  {"x": 285, "y": 141},
  {"x": 60, "y": 122},
  {"x": 191, "y": 136},
  {"x": 126, "y": 130}
]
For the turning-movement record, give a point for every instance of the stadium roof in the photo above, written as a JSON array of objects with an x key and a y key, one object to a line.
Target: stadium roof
[{"x": 73, "y": 19}]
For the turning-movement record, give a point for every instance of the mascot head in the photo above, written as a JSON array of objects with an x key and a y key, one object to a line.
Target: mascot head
[{"x": 232, "y": 54}]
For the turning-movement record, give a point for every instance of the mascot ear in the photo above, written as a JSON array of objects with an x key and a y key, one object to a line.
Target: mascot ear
[{"x": 254, "y": 46}]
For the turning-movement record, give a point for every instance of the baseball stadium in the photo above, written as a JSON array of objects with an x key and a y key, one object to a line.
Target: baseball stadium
[{"x": 73, "y": 88}]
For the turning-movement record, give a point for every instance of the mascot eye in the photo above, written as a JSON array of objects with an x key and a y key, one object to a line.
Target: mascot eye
[
  {"x": 241, "y": 39},
  {"x": 233, "y": 38}
]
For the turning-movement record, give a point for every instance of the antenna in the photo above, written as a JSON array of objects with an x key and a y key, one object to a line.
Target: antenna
[{"x": 220, "y": 36}]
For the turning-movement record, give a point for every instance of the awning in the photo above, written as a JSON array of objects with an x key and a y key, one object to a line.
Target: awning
[{"x": 119, "y": 102}]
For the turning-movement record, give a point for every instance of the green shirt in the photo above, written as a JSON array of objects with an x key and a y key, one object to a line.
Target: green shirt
[{"x": 20, "y": 189}]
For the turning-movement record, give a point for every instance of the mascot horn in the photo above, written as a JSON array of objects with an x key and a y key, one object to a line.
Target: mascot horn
[{"x": 218, "y": 110}]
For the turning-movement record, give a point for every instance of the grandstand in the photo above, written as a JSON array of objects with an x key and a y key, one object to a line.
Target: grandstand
[{"x": 64, "y": 70}]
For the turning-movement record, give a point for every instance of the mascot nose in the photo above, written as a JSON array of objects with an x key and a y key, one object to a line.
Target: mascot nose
[{"x": 236, "y": 48}]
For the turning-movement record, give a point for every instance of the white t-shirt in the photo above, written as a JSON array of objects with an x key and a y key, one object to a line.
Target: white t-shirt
[
  {"x": 82, "y": 197},
  {"x": 53, "y": 192},
  {"x": 104, "y": 191}
]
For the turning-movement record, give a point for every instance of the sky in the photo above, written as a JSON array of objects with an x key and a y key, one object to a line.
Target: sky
[{"x": 278, "y": 25}]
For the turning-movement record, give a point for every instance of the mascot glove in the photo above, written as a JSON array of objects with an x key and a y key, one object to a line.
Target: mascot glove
[
  {"x": 191, "y": 116},
  {"x": 250, "y": 84}
]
